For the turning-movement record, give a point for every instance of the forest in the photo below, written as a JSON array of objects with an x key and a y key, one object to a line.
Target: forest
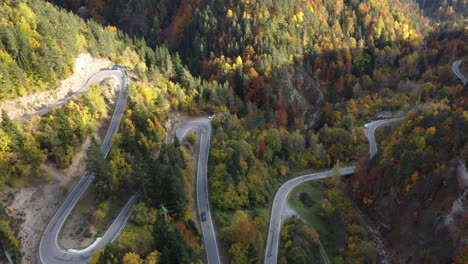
[
  {"x": 57, "y": 136},
  {"x": 291, "y": 82}
]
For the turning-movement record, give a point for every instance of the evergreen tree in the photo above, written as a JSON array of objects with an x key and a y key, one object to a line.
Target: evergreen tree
[{"x": 97, "y": 166}]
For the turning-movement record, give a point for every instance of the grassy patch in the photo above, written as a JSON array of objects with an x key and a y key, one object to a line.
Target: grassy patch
[
  {"x": 327, "y": 230},
  {"x": 309, "y": 214}
]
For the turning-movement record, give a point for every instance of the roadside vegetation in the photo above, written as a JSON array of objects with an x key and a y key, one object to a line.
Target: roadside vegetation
[
  {"x": 291, "y": 83},
  {"x": 10, "y": 245},
  {"x": 299, "y": 243},
  {"x": 56, "y": 137},
  {"x": 334, "y": 221},
  {"x": 422, "y": 164},
  {"x": 307, "y": 200},
  {"x": 140, "y": 161}
]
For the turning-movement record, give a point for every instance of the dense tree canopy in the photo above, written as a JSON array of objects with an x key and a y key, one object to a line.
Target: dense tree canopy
[{"x": 291, "y": 83}]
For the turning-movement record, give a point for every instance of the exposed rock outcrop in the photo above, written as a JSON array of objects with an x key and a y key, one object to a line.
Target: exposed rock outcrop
[{"x": 307, "y": 95}]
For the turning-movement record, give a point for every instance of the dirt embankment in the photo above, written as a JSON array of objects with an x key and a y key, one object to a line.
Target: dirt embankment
[
  {"x": 33, "y": 203},
  {"x": 32, "y": 206},
  {"x": 174, "y": 120},
  {"x": 85, "y": 66}
]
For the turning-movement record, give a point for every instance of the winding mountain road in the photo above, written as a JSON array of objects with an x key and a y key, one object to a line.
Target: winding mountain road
[
  {"x": 203, "y": 127},
  {"x": 271, "y": 250},
  {"x": 49, "y": 250},
  {"x": 51, "y": 253},
  {"x": 456, "y": 70},
  {"x": 369, "y": 132}
]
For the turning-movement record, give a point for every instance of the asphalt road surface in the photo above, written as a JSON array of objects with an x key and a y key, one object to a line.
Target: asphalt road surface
[
  {"x": 203, "y": 127},
  {"x": 369, "y": 132},
  {"x": 456, "y": 70},
  {"x": 271, "y": 250},
  {"x": 49, "y": 251}
]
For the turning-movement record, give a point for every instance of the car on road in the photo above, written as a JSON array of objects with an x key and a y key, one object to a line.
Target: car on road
[
  {"x": 203, "y": 216},
  {"x": 211, "y": 116},
  {"x": 366, "y": 125}
]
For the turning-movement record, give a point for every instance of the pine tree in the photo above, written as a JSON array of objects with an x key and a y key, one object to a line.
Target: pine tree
[{"x": 97, "y": 166}]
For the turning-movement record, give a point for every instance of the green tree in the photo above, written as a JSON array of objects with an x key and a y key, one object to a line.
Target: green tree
[
  {"x": 273, "y": 140},
  {"x": 169, "y": 242},
  {"x": 132, "y": 258},
  {"x": 97, "y": 165}
]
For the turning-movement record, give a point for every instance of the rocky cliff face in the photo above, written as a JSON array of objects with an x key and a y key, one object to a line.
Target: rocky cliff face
[
  {"x": 428, "y": 223},
  {"x": 415, "y": 188},
  {"x": 308, "y": 96}
]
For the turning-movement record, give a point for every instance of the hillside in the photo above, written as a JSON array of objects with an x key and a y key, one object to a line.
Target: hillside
[
  {"x": 286, "y": 88},
  {"x": 348, "y": 48},
  {"x": 440, "y": 11},
  {"x": 41, "y": 159},
  {"x": 266, "y": 37},
  {"x": 418, "y": 185}
]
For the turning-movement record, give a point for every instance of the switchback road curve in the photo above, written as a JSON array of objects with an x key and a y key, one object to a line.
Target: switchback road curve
[
  {"x": 456, "y": 70},
  {"x": 271, "y": 250},
  {"x": 369, "y": 132},
  {"x": 203, "y": 127},
  {"x": 49, "y": 250}
]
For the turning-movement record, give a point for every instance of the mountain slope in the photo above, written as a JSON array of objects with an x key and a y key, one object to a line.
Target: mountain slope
[
  {"x": 38, "y": 46},
  {"x": 443, "y": 10}
]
